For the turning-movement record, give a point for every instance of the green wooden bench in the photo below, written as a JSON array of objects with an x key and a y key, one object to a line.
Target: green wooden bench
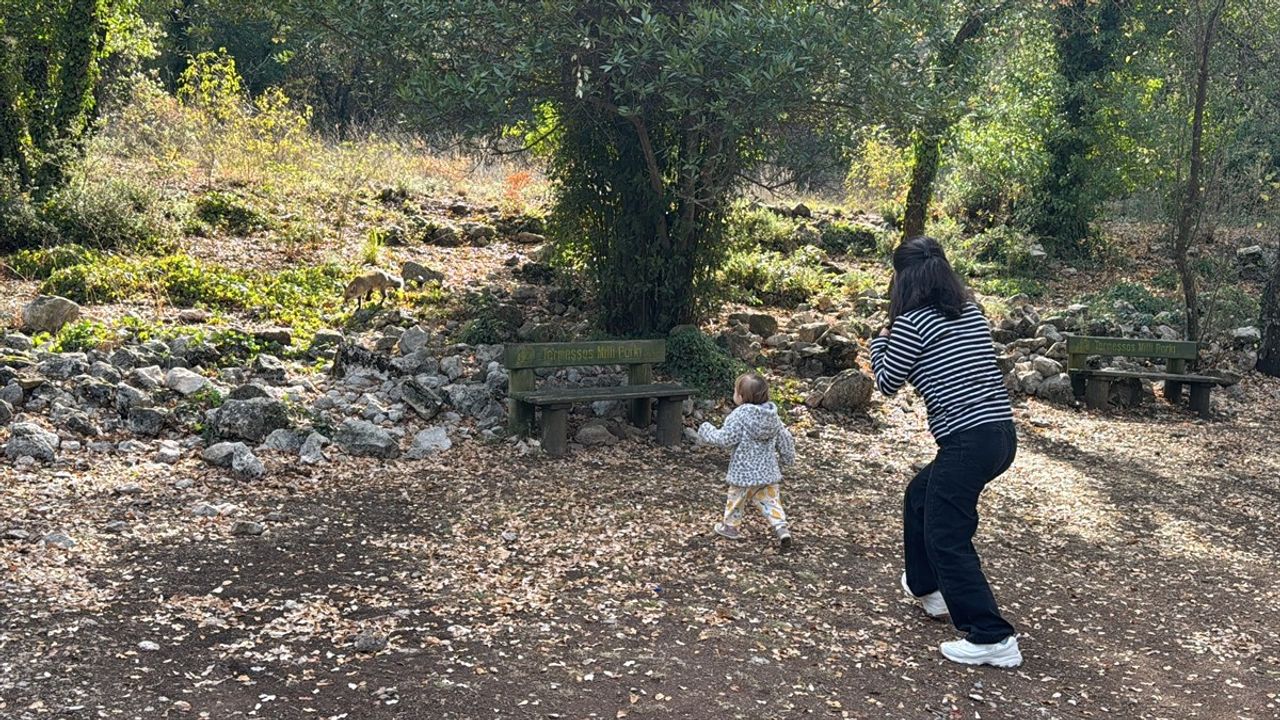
[
  {"x": 1095, "y": 385},
  {"x": 639, "y": 357}
]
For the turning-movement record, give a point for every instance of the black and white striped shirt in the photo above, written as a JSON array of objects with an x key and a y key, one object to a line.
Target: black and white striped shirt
[{"x": 950, "y": 362}]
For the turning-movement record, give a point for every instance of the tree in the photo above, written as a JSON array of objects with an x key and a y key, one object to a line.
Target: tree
[
  {"x": 50, "y": 51},
  {"x": 952, "y": 78},
  {"x": 1269, "y": 354},
  {"x": 1088, "y": 40},
  {"x": 652, "y": 112}
]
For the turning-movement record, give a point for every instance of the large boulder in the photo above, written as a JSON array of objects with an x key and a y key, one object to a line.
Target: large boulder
[
  {"x": 235, "y": 456},
  {"x": 30, "y": 440},
  {"x": 424, "y": 400},
  {"x": 361, "y": 437},
  {"x": 761, "y": 324},
  {"x": 48, "y": 313},
  {"x": 429, "y": 442},
  {"x": 251, "y": 420},
  {"x": 850, "y": 390},
  {"x": 1056, "y": 389}
]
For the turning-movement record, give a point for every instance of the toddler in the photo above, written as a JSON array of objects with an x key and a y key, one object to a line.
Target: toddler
[{"x": 760, "y": 443}]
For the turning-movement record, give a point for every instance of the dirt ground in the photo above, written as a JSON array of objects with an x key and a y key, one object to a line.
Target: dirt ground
[{"x": 1137, "y": 552}]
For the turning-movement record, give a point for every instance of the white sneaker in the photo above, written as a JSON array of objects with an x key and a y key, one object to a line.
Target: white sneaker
[
  {"x": 1004, "y": 654},
  {"x": 933, "y": 603}
]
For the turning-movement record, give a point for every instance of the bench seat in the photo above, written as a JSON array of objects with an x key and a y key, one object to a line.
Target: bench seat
[
  {"x": 570, "y": 396},
  {"x": 1154, "y": 375}
]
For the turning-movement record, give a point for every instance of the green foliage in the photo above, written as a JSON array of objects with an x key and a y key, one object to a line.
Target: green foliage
[
  {"x": 1006, "y": 287},
  {"x": 999, "y": 250},
  {"x": 754, "y": 226},
  {"x": 488, "y": 320},
  {"x": 81, "y": 336},
  {"x": 1138, "y": 296},
  {"x": 1228, "y": 307},
  {"x": 697, "y": 361},
  {"x": 773, "y": 278},
  {"x": 371, "y": 249},
  {"x": 101, "y": 214},
  {"x": 840, "y": 236},
  {"x": 660, "y": 110},
  {"x": 230, "y": 212},
  {"x": 39, "y": 264}
]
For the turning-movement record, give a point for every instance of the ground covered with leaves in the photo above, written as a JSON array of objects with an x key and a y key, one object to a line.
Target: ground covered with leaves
[{"x": 1135, "y": 551}]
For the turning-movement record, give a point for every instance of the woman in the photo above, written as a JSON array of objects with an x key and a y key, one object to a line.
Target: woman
[{"x": 939, "y": 341}]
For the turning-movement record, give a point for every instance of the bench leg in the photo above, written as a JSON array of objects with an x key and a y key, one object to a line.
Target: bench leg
[
  {"x": 1200, "y": 399},
  {"x": 555, "y": 430},
  {"x": 1173, "y": 391},
  {"x": 670, "y": 427},
  {"x": 1097, "y": 393},
  {"x": 519, "y": 417},
  {"x": 639, "y": 412},
  {"x": 1077, "y": 385}
]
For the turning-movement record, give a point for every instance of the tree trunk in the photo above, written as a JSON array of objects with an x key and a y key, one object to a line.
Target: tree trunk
[
  {"x": 926, "y": 149},
  {"x": 1189, "y": 212},
  {"x": 1269, "y": 354}
]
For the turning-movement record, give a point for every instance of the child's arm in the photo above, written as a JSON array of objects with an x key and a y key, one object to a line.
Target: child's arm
[
  {"x": 727, "y": 436},
  {"x": 894, "y": 356},
  {"x": 786, "y": 448}
]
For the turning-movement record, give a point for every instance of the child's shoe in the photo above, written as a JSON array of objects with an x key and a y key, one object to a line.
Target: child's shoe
[
  {"x": 728, "y": 532},
  {"x": 784, "y": 539}
]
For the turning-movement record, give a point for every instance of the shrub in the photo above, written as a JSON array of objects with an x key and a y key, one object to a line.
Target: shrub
[
  {"x": 1010, "y": 286},
  {"x": 39, "y": 264},
  {"x": 110, "y": 215},
  {"x": 230, "y": 212},
  {"x": 696, "y": 360},
  {"x": 489, "y": 321},
  {"x": 846, "y": 237},
  {"x": 996, "y": 250},
  {"x": 759, "y": 227},
  {"x": 1229, "y": 307},
  {"x": 20, "y": 223},
  {"x": 1142, "y": 299},
  {"x": 81, "y": 336},
  {"x": 770, "y": 277}
]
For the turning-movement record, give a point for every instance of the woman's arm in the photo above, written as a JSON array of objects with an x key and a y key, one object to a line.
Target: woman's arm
[{"x": 894, "y": 355}]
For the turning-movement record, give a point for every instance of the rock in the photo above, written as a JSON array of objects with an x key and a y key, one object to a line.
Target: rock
[
  {"x": 425, "y": 401},
  {"x": 1246, "y": 335},
  {"x": 324, "y": 343},
  {"x": 452, "y": 367},
  {"x": 528, "y": 238},
  {"x": 192, "y": 316},
  {"x": 284, "y": 440},
  {"x": 1046, "y": 367},
  {"x": 237, "y": 457},
  {"x": 1056, "y": 389},
  {"x": 184, "y": 381},
  {"x": 247, "y": 527},
  {"x": 1037, "y": 252},
  {"x": 594, "y": 434},
  {"x": 604, "y": 408},
  {"x": 274, "y": 336},
  {"x": 250, "y": 420},
  {"x": 64, "y": 366},
  {"x": 361, "y": 437},
  {"x": 249, "y": 391},
  {"x": 429, "y": 442},
  {"x": 742, "y": 345},
  {"x": 1050, "y": 333},
  {"x": 311, "y": 451},
  {"x": 145, "y": 421},
  {"x": 48, "y": 313},
  {"x": 801, "y": 211},
  {"x": 370, "y": 642},
  {"x": 17, "y": 341},
  {"x": 778, "y": 340},
  {"x": 150, "y": 377},
  {"x": 30, "y": 440},
  {"x": 12, "y": 393},
  {"x": 148, "y": 646},
  {"x": 205, "y": 510},
  {"x": 413, "y": 340},
  {"x": 811, "y": 332},
  {"x": 16, "y": 534},
  {"x": 850, "y": 390},
  {"x": 6, "y": 412},
  {"x": 270, "y": 368},
  {"x": 420, "y": 361},
  {"x": 761, "y": 324},
  {"x": 169, "y": 453},
  {"x": 1251, "y": 255},
  {"x": 1029, "y": 381},
  {"x": 59, "y": 539}
]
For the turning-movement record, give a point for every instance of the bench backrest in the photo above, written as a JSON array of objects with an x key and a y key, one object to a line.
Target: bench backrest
[
  {"x": 592, "y": 352},
  {"x": 1080, "y": 347}
]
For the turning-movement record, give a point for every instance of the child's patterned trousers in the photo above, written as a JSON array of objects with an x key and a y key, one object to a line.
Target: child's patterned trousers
[{"x": 765, "y": 497}]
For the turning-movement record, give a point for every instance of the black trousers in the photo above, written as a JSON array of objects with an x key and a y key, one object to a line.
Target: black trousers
[{"x": 939, "y": 518}]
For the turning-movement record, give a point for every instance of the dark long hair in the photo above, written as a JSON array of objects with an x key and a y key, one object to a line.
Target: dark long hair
[{"x": 923, "y": 277}]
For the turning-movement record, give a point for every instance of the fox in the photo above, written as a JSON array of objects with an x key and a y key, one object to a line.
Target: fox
[
  {"x": 419, "y": 275},
  {"x": 361, "y": 287}
]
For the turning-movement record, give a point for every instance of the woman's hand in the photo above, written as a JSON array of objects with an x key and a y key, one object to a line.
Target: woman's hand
[{"x": 884, "y": 331}]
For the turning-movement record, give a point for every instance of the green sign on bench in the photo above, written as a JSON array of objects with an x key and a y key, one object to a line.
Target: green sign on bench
[
  {"x": 1095, "y": 385},
  {"x": 639, "y": 357}
]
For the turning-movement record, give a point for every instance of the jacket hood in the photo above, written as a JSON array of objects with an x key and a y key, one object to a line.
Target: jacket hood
[{"x": 760, "y": 422}]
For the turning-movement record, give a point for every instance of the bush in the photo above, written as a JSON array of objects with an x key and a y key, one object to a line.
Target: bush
[
  {"x": 489, "y": 322},
  {"x": 20, "y": 223},
  {"x": 695, "y": 360},
  {"x": 999, "y": 250},
  {"x": 82, "y": 336},
  {"x": 846, "y": 237},
  {"x": 1229, "y": 307},
  {"x": 111, "y": 215},
  {"x": 758, "y": 227},
  {"x": 770, "y": 277},
  {"x": 39, "y": 264},
  {"x": 1138, "y": 296},
  {"x": 230, "y": 213}
]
